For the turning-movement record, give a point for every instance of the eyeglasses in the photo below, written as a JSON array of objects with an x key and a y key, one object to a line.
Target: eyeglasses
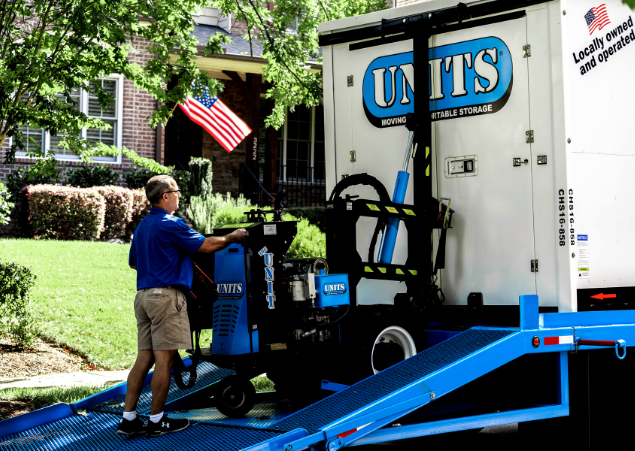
[{"x": 175, "y": 191}]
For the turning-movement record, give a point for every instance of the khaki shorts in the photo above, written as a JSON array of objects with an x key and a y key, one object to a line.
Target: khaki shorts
[{"x": 162, "y": 321}]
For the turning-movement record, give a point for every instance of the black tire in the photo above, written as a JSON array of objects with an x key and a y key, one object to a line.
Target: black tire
[
  {"x": 235, "y": 396},
  {"x": 371, "y": 355}
]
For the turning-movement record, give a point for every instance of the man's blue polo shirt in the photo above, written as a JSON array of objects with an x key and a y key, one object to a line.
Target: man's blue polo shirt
[{"x": 161, "y": 251}]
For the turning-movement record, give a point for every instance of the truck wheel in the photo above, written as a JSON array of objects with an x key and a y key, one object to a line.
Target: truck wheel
[
  {"x": 235, "y": 396},
  {"x": 392, "y": 345},
  {"x": 382, "y": 343}
]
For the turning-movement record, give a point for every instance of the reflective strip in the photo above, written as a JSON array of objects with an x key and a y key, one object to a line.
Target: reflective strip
[
  {"x": 382, "y": 270},
  {"x": 373, "y": 207},
  {"x": 413, "y": 272},
  {"x": 563, "y": 340},
  {"x": 367, "y": 269},
  {"x": 409, "y": 212},
  {"x": 399, "y": 271},
  {"x": 392, "y": 209}
]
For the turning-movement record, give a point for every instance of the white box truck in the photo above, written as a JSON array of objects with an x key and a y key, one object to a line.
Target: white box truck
[{"x": 529, "y": 108}]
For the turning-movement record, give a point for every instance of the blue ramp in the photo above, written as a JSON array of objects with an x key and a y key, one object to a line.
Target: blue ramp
[{"x": 393, "y": 379}]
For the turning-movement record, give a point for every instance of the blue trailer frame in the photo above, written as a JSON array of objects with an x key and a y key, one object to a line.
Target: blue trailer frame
[{"x": 364, "y": 422}]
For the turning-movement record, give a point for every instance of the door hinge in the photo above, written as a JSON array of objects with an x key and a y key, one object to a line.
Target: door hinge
[
  {"x": 529, "y": 136},
  {"x": 534, "y": 266},
  {"x": 353, "y": 156},
  {"x": 526, "y": 51},
  {"x": 349, "y": 80}
]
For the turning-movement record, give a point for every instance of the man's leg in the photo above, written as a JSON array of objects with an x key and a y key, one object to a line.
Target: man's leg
[
  {"x": 136, "y": 377},
  {"x": 161, "y": 379}
]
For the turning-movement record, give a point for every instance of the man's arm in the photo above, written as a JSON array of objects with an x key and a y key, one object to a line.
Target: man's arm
[{"x": 217, "y": 243}]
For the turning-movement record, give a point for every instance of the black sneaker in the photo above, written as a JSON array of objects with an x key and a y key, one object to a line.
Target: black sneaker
[
  {"x": 165, "y": 426},
  {"x": 131, "y": 427}
]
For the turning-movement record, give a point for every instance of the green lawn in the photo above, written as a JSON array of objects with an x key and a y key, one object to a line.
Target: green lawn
[{"x": 83, "y": 296}]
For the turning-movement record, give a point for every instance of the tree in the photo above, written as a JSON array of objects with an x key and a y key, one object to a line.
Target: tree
[
  {"x": 47, "y": 48},
  {"x": 288, "y": 48}
]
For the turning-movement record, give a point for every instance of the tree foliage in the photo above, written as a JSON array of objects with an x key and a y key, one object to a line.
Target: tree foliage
[
  {"x": 47, "y": 48},
  {"x": 289, "y": 49}
]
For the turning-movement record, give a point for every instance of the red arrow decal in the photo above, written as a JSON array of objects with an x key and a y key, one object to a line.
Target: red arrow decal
[{"x": 603, "y": 296}]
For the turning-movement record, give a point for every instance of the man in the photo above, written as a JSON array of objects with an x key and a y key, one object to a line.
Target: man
[{"x": 161, "y": 253}]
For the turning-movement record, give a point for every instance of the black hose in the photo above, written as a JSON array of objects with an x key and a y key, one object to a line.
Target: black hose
[{"x": 324, "y": 326}]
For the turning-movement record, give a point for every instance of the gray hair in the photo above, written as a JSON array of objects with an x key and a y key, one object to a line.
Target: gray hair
[{"x": 157, "y": 186}]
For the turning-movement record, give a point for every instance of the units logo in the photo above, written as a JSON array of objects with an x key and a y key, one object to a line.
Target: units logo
[
  {"x": 334, "y": 288},
  {"x": 466, "y": 79},
  {"x": 269, "y": 276},
  {"x": 230, "y": 288}
]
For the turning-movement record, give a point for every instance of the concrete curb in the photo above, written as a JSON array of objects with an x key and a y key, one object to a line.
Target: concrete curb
[{"x": 98, "y": 378}]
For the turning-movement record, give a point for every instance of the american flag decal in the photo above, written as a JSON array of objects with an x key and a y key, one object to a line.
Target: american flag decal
[
  {"x": 597, "y": 18},
  {"x": 218, "y": 120}
]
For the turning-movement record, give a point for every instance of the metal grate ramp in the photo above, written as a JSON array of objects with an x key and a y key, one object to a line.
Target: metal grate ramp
[
  {"x": 208, "y": 374},
  {"x": 373, "y": 388},
  {"x": 97, "y": 432},
  {"x": 262, "y": 416}
]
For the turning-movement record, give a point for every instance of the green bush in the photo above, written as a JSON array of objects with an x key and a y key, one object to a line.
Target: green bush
[
  {"x": 309, "y": 241},
  {"x": 315, "y": 215},
  {"x": 206, "y": 214},
  {"x": 119, "y": 202},
  {"x": 22, "y": 177},
  {"x": 137, "y": 178},
  {"x": 15, "y": 315},
  {"x": 182, "y": 178},
  {"x": 5, "y": 206},
  {"x": 88, "y": 176},
  {"x": 64, "y": 212},
  {"x": 201, "y": 177}
]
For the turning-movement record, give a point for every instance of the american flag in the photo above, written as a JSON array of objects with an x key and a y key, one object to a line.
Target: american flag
[
  {"x": 597, "y": 18},
  {"x": 218, "y": 120}
]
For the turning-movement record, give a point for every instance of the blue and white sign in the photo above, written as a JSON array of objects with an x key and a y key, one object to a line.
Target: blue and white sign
[
  {"x": 466, "y": 79},
  {"x": 230, "y": 288},
  {"x": 334, "y": 288}
]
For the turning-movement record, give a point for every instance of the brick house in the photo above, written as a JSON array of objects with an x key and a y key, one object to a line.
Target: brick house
[{"x": 293, "y": 155}]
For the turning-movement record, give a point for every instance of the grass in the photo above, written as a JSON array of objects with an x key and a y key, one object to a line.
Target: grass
[
  {"x": 42, "y": 397},
  {"x": 83, "y": 296}
]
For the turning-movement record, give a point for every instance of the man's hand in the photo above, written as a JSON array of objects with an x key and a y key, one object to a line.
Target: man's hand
[
  {"x": 238, "y": 236},
  {"x": 218, "y": 243}
]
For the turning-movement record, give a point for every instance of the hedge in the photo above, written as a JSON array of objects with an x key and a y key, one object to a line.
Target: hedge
[
  {"x": 64, "y": 213},
  {"x": 315, "y": 215},
  {"x": 119, "y": 202},
  {"x": 88, "y": 176},
  {"x": 16, "y": 282},
  {"x": 140, "y": 208}
]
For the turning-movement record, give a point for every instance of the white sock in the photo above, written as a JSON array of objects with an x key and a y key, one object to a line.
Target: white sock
[
  {"x": 130, "y": 415},
  {"x": 156, "y": 418}
]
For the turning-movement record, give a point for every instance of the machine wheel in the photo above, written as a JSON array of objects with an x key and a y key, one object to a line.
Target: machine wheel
[{"x": 235, "y": 396}]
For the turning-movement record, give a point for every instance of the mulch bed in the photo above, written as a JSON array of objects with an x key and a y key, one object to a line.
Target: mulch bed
[{"x": 44, "y": 358}]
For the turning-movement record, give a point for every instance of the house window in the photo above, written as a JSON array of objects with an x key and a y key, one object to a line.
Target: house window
[
  {"x": 86, "y": 102},
  {"x": 301, "y": 142}
]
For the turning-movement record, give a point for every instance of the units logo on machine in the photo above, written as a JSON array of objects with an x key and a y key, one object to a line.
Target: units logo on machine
[
  {"x": 467, "y": 78},
  {"x": 269, "y": 276},
  {"x": 334, "y": 288},
  {"x": 229, "y": 288}
]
